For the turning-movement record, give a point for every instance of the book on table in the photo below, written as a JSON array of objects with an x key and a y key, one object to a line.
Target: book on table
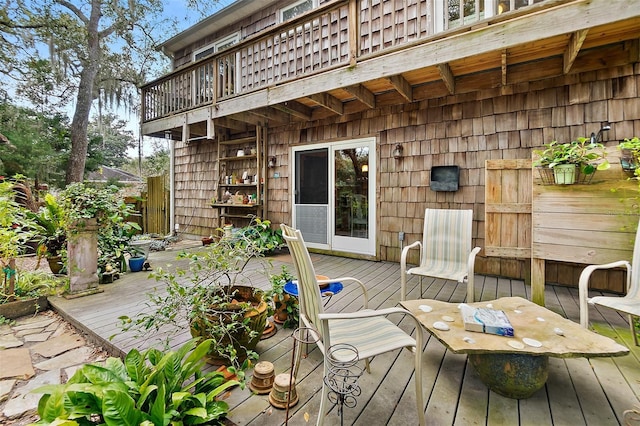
[{"x": 486, "y": 320}]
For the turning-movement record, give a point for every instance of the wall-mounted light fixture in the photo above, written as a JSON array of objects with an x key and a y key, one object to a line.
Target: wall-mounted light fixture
[
  {"x": 365, "y": 168},
  {"x": 272, "y": 162},
  {"x": 397, "y": 152},
  {"x": 167, "y": 134}
]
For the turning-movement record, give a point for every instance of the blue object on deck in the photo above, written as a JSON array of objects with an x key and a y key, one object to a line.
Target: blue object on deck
[{"x": 291, "y": 288}]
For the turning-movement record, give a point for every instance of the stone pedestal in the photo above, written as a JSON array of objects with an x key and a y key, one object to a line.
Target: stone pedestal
[{"x": 82, "y": 249}]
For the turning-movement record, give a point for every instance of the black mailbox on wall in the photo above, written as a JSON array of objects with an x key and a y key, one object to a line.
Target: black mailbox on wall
[{"x": 445, "y": 178}]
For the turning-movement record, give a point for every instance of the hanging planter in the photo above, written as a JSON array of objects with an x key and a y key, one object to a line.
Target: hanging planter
[{"x": 572, "y": 162}]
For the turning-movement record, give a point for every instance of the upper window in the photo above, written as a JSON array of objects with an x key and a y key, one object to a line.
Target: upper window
[
  {"x": 296, "y": 9},
  {"x": 216, "y": 46},
  {"x": 455, "y": 13}
]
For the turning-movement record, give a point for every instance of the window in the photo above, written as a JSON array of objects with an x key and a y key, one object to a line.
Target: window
[
  {"x": 216, "y": 46},
  {"x": 455, "y": 13},
  {"x": 296, "y": 9}
]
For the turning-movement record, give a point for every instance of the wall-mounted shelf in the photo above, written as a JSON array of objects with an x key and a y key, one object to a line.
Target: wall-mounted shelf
[{"x": 231, "y": 169}]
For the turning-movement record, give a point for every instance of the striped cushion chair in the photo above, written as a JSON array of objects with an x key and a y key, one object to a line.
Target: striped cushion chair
[
  {"x": 445, "y": 250},
  {"x": 368, "y": 331}
]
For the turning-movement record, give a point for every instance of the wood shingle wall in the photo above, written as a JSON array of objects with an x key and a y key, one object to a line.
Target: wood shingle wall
[{"x": 465, "y": 130}]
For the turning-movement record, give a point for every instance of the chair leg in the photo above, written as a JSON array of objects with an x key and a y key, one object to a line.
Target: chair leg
[
  {"x": 322, "y": 412},
  {"x": 633, "y": 330},
  {"x": 418, "y": 379},
  {"x": 367, "y": 366},
  {"x": 420, "y": 287}
]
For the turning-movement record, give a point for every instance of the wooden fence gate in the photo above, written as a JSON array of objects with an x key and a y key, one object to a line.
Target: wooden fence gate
[{"x": 156, "y": 212}]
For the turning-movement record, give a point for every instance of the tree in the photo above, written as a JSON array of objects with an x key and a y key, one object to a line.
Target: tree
[
  {"x": 98, "y": 49},
  {"x": 109, "y": 141}
]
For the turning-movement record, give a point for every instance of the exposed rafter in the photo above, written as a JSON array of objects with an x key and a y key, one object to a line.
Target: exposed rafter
[
  {"x": 402, "y": 86},
  {"x": 575, "y": 43},
  {"x": 251, "y": 119},
  {"x": 504, "y": 67},
  {"x": 362, "y": 94},
  {"x": 327, "y": 101},
  {"x": 271, "y": 114},
  {"x": 230, "y": 123},
  {"x": 447, "y": 76},
  {"x": 295, "y": 108}
]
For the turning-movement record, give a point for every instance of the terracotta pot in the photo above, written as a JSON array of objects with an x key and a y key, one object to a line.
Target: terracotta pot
[
  {"x": 55, "y": 264},
  {"x": 280, "y": 315},
  {"x": 241, "y": 339}
]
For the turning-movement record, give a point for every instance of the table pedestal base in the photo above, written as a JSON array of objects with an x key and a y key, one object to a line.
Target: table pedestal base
[{"x": 516, "y": 376}]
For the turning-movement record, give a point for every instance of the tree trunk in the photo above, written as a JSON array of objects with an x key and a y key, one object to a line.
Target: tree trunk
[{"x": 85, "y": 97}]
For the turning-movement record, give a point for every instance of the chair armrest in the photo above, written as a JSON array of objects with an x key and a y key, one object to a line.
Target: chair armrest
[
  {"x": 471, "y": 266},
  {"x": 345, "y": 280},
  {"x": 405, "y": 251},
  {"x": 583, "y": 286}
]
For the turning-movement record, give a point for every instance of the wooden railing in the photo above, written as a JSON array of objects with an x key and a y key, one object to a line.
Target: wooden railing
[{"x": 337, "y": 34}]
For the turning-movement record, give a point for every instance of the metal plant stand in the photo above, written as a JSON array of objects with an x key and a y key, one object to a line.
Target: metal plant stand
[{"x": 342, "y": 376}]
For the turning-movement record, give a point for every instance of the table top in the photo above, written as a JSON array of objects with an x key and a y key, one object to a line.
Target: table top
[{"x": 530, "y": 322}]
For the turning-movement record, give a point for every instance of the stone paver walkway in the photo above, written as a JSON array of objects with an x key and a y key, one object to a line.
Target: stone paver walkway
[{"x": 37, "y": 350}]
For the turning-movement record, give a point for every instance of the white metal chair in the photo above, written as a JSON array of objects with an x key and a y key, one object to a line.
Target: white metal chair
[
  {"x": 445, "y": 250},
  {"x": 367, "y": 330},
  {"x": 628, "y": 304}
]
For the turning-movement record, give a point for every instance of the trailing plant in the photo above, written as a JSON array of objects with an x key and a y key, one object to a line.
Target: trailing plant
[
  {"x": 282, "y": 302},
  {"x": 206, "y": 298},
  {"x": 148, "y": 388},
  {"x": 633, "y": 145},
  {"x": 80, "y": 202},
  {"x": 581, "y": 152}
]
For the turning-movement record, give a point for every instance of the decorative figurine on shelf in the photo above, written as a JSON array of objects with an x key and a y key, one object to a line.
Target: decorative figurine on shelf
[
  {"x": 245, "y": 199},
  {"x": 226, "y": 197}
]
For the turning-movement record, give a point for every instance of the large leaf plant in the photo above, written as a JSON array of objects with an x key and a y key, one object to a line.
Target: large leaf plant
[{"x": 148, "y": 388}]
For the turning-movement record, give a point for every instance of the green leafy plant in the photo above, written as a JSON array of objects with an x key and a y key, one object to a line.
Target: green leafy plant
[
  {"x": 16, "y": 230},
  {"x": 285, "y": 306},
  {"x": 581, "y": 152},
  {"x": 50, "y": 226},
  {"x": 148, "y": 388},
  {"x": 213, "y": 297},
  {"x": 263, "y": 235},
  {"x": 30, "y": 284}
]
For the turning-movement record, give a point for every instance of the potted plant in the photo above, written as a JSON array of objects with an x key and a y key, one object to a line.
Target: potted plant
[
  {"x": 263, "y": 235},
  {"x": 567, "y": 160},
  {"x": 50, "y": 230},
  {"x": 214, "y": 298},
  {"x": 285, "y": 305},
  {"x": 630, "y": 154}
]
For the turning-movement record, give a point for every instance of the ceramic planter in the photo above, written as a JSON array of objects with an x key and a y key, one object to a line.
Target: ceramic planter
[
  {"x": 136, "y": 264},
  {"x": 565, "y": 174}
]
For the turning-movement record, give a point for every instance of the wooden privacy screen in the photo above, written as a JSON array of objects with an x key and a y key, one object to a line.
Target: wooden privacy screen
[
  {"x": 583, "y": 223},
  {"x": 157, "y": 211}
]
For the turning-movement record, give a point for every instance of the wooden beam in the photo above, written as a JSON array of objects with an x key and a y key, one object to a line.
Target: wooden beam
[
  {"x": 353, "y": 32},
  {"x": 211, "y": 129},
  {"x": 575, "y": 43},
  {"x": 447, "y": 76},
  {"x": 251, "y": 119},
  {"x": 230, "y": 123},
  {"x": 329, "y": 102},
  {"x": 271, "y": 114},
  {"x": 504, "y": 67},
  {"x": 402, "y": 86},
  {"x": 295, "y": 109},
  {"x": 362, "y": 94}
]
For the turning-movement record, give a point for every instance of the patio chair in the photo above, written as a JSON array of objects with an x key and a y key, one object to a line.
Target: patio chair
[
  {"x": 628, "y": 304},
  {"x": 445, "y": 250},
  {"x": 369, "y": 331}
]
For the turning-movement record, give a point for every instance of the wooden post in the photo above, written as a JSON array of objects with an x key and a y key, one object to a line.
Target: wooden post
[{"x": 537, "y": 281}]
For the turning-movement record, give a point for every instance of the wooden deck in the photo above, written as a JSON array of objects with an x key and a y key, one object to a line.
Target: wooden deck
[{"x": 579, "y": 391}]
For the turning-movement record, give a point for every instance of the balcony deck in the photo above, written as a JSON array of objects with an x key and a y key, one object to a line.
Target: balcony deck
[
  {"x": 347, "y": 57},
  {"x": 578, "y": 391}
]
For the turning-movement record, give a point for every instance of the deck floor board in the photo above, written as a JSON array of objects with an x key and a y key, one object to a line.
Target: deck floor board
[{"x": 578, "y": 391}]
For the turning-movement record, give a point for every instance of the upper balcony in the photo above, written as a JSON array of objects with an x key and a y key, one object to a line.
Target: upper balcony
[{"x": 361, "y": 49}]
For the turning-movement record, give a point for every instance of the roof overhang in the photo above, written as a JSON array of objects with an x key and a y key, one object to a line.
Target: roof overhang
[{"x": 231, "y": 14}]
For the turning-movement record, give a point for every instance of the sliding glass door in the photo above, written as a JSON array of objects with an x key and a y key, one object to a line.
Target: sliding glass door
[{"x": 334, "y": 195}]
